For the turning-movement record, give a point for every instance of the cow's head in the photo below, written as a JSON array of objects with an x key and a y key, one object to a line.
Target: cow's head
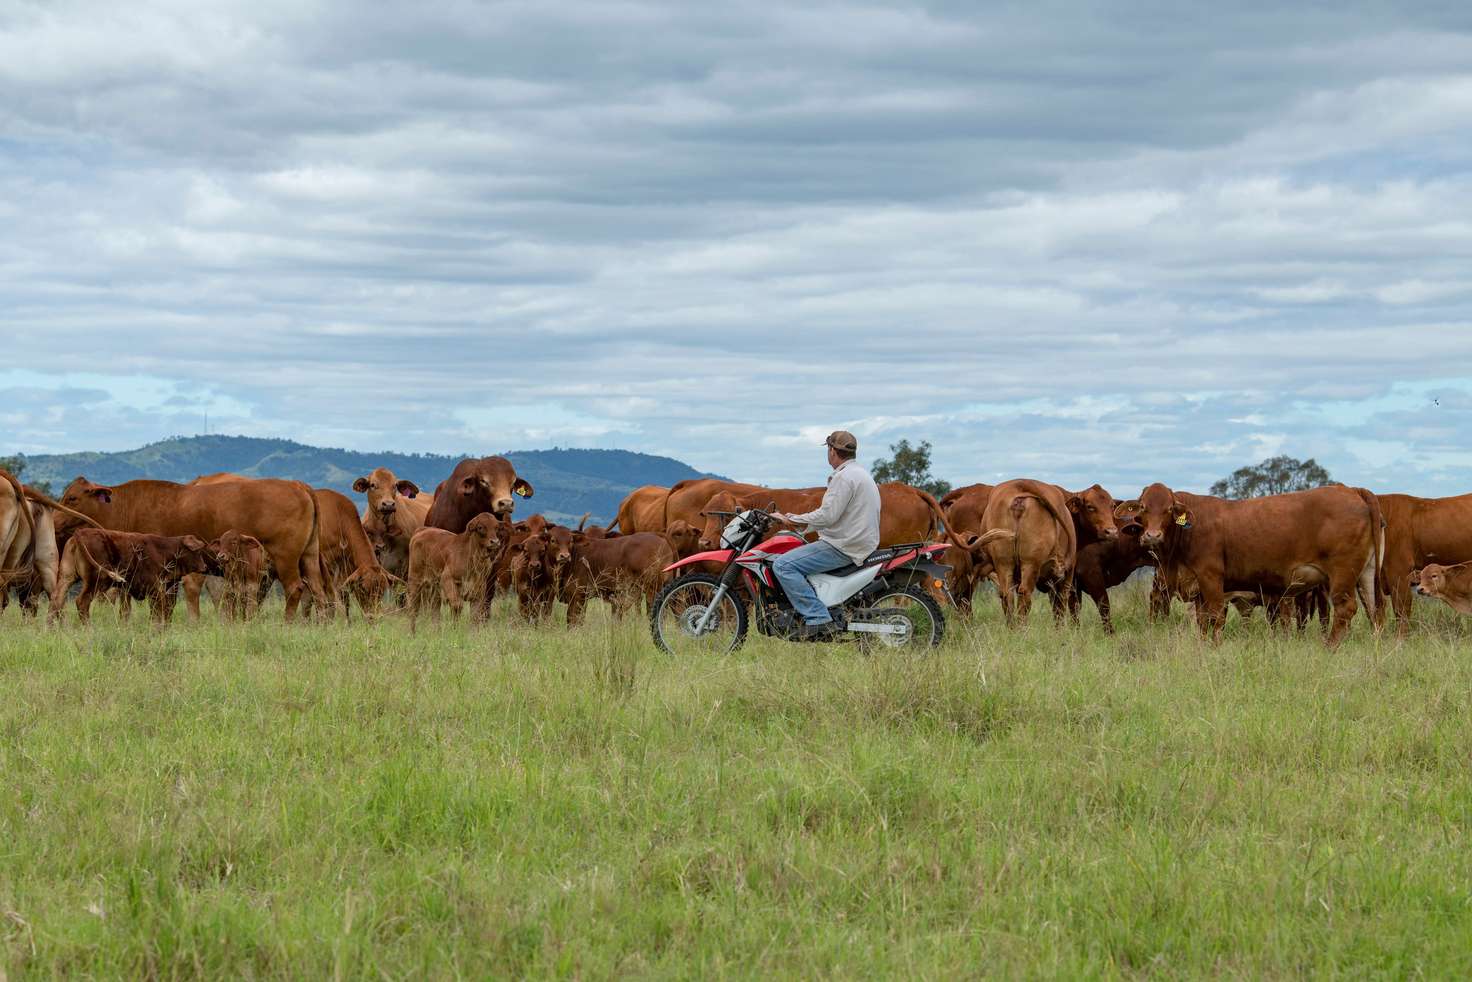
[
  {"x": 710, "y": 535},
  {"x": 530, "y": 556},
  {"x": 92, "y": 500},
  {"x": 489, "y": 533},
  {"x": 194, "y": 555},
  {"x": 1452, "y": 585},
  {"x": 683, "y": 538},
  {"x": 383, "y": 490},
  {"x": 559, "y": 546},
  {"x": 377, "y": 538},
  {"x": 1094, "y": 508},
  {"x": 369, "y": 584},
  {"x": 493, "y": 480},
  {"x": 1156, "y": 514}
]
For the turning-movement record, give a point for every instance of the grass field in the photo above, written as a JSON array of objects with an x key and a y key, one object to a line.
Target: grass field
[{"x": 315, "y": 801}]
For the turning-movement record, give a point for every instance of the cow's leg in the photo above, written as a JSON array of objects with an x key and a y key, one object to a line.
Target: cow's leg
[
  {"x": 1399, "y": 580},
  {"x": 1100, "y": 596},
  {"x": 1027, "y": 583},
  {"x": 1211, "y": 607},
  {"x": 66, "y": 575},
  {"x": 291, "y": 581},
  {"x": 1342, "y": 596},
  {"x": 193, "y": 585},
  {"x": 450, "y": 586},
  {"x": 576, "y": 600},
  {"x": 84, "y": 599},
  {"x": 1366, "y": 589}
]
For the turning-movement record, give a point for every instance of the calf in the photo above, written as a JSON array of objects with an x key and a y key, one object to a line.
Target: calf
[
  {"x": 1452, "y": 585},
  {"x": 246, "y": 573},
  {"x": 1280, "y": 546},
  {"x": 532, "y": 575},
  {"x": 618, "y": 571},
  {"x": 144, "y": 566},
  {"x": 1106, "y": 557},
  {"x": 444, "y": 565}
]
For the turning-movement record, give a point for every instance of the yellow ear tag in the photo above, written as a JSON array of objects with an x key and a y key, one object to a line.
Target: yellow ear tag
[
  {"x": 1181, "y": 521},
  {"x": 519, "y": 490}
]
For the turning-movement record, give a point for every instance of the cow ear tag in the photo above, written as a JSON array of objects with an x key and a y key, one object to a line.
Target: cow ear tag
[
  {"x": 1183, "y": 521},
  {"x": 518, "y": 491}
]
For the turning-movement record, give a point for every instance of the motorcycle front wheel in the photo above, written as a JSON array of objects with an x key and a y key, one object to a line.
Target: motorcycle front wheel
[{"x": 675, "y": 619}]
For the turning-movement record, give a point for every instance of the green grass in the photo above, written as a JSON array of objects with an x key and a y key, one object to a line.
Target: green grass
[{"x": 313, "y": 801}]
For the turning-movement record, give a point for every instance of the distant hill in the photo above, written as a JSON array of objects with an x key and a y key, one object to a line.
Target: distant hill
[{"x": 567, "y": 482}]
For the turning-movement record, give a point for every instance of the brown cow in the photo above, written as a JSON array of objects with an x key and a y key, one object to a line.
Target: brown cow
[
  {"x": 29, "y": 558},
  {"x": 1278, "y": 546},
  {"x": 443, "y": 565},
  {"x": 348, "y": 559},
  {"x": 532, "y": 575},
  {"x": 687, "y": 499},
  {"x": 619, "y": 571},
  {"x": 244, "y": 580},
  {"x": 246, "y": 566},
  {"x": 144, "y": 566},
  {"x": 642, "y": 510},
  {"x": 476, "y": 485},
  {"x": 1421, "y": 532},
  {"x": 1105, "y": 557},
  {"x": 282, "y": 515},
  {"x": 1452, "y": 585},
  {"x": 396, "y": 510},
  {"x": 683, "y": 538},
  {"x": 1029, "y": 540}
]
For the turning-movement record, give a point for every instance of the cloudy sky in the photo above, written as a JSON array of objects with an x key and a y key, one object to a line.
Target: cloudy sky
[{"x": 1081, "y": 241}]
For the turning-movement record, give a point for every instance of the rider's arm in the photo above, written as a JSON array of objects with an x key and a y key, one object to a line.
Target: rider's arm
[{"x": 834, "y": 500}]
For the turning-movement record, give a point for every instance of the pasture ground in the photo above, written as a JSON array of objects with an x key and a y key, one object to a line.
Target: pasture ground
[{"x": 313, "y": 801}]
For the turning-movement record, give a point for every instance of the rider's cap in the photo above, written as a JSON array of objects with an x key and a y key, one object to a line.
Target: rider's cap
[{"x": 842, "y": 440}]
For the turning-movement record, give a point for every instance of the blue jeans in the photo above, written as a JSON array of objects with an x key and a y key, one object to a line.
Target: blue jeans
[{"x": 792, "y": 569}]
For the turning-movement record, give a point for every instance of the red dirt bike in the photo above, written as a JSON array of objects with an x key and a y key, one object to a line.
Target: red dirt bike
[{"x": 884, "y": 602}]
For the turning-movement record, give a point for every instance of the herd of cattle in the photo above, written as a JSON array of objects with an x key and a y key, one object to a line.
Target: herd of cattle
[{"x": 1324, "y": 551}]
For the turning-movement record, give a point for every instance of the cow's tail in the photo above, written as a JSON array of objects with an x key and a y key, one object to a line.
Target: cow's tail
[
  {"x": 584, "y": 520},
  {"x": 1040, "y": 492},
  {"x": 1377, "y": 546},
  {"x": 939, "y": 524},
  {"x": 311, "y": 560},
  {"x": 81, "y": 542}
]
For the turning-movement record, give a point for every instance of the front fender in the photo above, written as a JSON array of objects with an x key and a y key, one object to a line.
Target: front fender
[{"x": 714, "y": 556}]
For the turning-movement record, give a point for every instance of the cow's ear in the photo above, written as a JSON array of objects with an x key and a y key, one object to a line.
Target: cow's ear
[
  {"x": 361, "y": 485},
  {"x": 1182, "y": 514},
  {"x": 578, "y": 538},
  {"x": 469, "y": 485},
  {"x": 102, "y": 494},
  {"x": 1128, "y": 509},
  {"x": 1075, "y": 503},
  {"x": 408, "y": 489},
  {"x": 521, "y": 487},
  {"x": 518, "y": 547}
]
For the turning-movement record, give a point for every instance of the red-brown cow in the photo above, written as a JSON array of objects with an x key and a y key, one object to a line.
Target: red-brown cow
[
  {"x": 348, "y": 559},
  {"x": 443, "y": 565},
  {"x": 484, "y": 484},
  {"x": 144, "y": 566},
  {"x": 1452, "y": 585},
  {"x": 619, "y": 571},
  {"x": 1420, "y": 532},
  {"x": 1279, "y": 546},
  {"x": 396, "y": 510},
  {"x": 1029, "y": 540},
  {"x": 282, "y": 515}
]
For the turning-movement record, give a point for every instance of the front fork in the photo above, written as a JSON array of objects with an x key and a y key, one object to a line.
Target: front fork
[{"x": 728, "y": 580}]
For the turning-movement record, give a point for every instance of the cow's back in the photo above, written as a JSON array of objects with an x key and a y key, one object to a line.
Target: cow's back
[{"x": 1263, "y": 540}]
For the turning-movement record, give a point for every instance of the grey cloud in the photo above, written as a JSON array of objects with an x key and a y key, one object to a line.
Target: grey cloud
[{"x": 701, "y": 229}]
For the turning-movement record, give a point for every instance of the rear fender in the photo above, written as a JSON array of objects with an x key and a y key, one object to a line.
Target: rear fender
[
  {"x": 924, "y": 572},
  {"x": 714, "y": 556}
]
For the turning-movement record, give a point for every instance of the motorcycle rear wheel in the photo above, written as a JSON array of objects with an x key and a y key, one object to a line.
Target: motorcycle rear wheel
[
  {"x": 914, "y": 606},
  {"x": 677, "y": 611}
]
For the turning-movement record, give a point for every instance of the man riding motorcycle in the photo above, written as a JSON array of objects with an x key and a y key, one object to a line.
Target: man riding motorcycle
[{"x": 847, "y": 523}]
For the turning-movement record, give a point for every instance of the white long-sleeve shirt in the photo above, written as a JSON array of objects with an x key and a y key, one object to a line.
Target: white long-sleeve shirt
[{"x": 848, "y": 518}]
